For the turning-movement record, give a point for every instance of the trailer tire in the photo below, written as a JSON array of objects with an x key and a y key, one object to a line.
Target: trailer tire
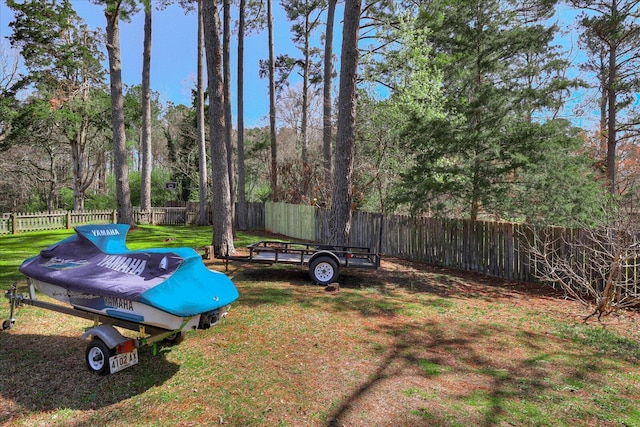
[
  {"x": 175, "y": 339},
  {"x": 323, "y": 270},
  {"x": 97, "y": 357}
]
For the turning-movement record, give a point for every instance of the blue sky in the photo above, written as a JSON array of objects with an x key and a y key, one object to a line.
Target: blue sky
[{"x": 174, "y": 53}]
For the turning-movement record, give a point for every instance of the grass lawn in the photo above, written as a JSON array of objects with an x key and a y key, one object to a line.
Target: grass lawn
[{"x": 406, "y": 345}]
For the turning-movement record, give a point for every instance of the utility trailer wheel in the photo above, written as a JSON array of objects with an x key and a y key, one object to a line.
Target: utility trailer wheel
[
  {"x": 6, "y": 324},
  {"x": 176, "y": 338},
  {"x": 323, "y": 270},
  {"x": 97, "y": 357}
]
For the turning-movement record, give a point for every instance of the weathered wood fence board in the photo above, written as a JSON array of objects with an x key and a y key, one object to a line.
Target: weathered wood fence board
[{"x": 298, "y": 221}]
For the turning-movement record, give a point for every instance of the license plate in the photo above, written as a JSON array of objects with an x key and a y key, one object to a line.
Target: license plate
[{"x": 123, "y": 360}]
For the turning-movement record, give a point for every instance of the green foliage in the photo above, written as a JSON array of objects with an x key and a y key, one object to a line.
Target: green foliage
[
  {"x": 133, "y": 112},
  {"x": 491, "y": 153},
  {"x": 66, "y": 199},
  {"x": 182, "y": 144},
  {"x": 557, "y": 185},
  {"x": 257, "y": 155},
  {"x": 100, "y": 202},
  {"x": 415, "y": 92},
  {"x": 55, "y": 43},
  {"x": 36, "y": 204},
  {"x": 159, "y": 195}
]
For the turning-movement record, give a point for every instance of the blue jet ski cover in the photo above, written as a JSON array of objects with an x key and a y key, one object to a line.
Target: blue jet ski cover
[{"x": 96, "y": 261}]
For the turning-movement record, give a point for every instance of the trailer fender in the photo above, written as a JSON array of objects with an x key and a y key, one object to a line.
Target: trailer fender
[
  {"x": 324, "y": 253},
  {"x": 107, "y": 333}
]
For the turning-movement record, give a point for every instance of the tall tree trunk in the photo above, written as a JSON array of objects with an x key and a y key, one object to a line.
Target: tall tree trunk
[
  {"x": 602, "y": 77},
  {"x": 222, "y": 212},
  {"x": 77, "y": 158},
  {"x": 242, "y": 202},
  {"x": 145, "y": 185},
  {"x": 345, "y": 136},
  {"x": 78, "y": 145},
  {"x": 203, "y": 218},
  {"x": 327, "y": 126},
  {"x": 123, "y": 194},
  {"x": 611, "y": 125},
  {"x": 226, "y": 63},
  {"x": 306, "y": 170},
  {"x": 272, "y": 106}
]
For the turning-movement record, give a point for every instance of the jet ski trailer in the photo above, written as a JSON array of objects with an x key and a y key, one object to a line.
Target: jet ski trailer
[{"x": 159, "y": 293}]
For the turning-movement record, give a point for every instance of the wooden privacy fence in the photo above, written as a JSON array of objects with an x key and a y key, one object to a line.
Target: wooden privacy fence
[
  {"x": 491, "y": 248},
  {"x": 13, "y": 223}
]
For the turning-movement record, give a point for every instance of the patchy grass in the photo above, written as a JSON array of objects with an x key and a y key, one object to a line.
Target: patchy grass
[{"x": 407, "y": 345}]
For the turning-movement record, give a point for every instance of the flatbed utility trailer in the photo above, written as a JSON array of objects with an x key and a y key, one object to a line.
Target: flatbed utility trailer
[
  {"x": 324, "y": 261},
  {"x": 108, "y": 351}
]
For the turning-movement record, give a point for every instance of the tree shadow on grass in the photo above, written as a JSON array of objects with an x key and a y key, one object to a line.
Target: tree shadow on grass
[
  {"x": 482, "y": 388},
  {"x": 43, "y": 373},
  {"x": 416, "y": 277},
  {"x": 411, "y": 276},
  {"x": 273, "y": 273}
]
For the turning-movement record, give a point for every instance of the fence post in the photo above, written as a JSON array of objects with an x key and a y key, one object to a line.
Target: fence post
[
  {"x": 14, "y": 222},
  {"x": 68, "y": 220},
  {"x": 113, "y": 217}
]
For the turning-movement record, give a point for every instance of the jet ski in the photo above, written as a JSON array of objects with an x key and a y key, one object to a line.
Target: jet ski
[{"x": 94, "y": 271}]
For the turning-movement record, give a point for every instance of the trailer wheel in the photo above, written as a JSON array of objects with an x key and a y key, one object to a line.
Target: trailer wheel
[
  {"x": 6, "y": 324},
  {"x": 97, "y": 357},
  {"x": 323, "y": 270},
  {"x": 175, "y": 339}
]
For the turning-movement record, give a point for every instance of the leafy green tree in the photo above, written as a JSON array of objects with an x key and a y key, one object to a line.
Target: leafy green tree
[
  {"x": 414, "y": 92},
  {"x": 467, "y": 162},
  {"x": 45, "y": 157},
  {"x": 181, "y": 135},
  {"x": 63, "y": 60},
  {"x": 557, "y": 185}
]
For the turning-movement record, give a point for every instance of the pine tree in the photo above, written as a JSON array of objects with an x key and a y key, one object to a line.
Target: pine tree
[
  {"x": 222, "y": 212},
  {"x": 612, "y": 32},
  {"x": 469, "y": 161},
  {"x": 114, "y": 11},
  {"x": 345, "y": 138}
]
